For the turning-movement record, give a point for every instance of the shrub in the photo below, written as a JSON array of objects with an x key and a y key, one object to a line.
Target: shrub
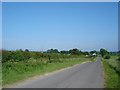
[
  {"x": 107, "y": 56},
  {"x": 119, "y": 59},
  {"x": 17, "y": 55},
  {"x": 6, "y": 55}
]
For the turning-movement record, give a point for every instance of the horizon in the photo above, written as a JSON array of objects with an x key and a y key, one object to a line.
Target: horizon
[
  {"x": 63, "y": 26},
  {"x": 58, "y": 50}
]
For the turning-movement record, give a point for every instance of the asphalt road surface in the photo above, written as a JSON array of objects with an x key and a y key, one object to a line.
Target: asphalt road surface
[{"x": 87, "y": 75}]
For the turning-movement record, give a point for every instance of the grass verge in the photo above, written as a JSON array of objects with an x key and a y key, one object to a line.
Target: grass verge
[{"x": 110, "y": 76}]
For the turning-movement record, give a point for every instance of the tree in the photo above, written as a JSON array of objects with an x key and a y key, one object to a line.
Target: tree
[
  {"x": 74, "y": 51},
  {"x": 92, "y": 52},
  {"x": 26, "y": 50},
  {"x": 56, "y": 51},
  {"x": 64, "y": 52},
  {"x": 85, "y": 53},
  {"x": 103, "y": 52},
  {"x": 20, "y": 50},
  {"x": 52, "y": 51}
]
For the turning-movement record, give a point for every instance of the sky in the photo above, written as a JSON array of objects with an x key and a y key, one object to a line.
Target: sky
[
  {"x": 60, "y": 0},
  {"x": 61, "y": 25}
]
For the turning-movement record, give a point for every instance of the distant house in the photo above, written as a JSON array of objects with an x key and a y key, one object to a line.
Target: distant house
[{"x": 94, "y": 54}]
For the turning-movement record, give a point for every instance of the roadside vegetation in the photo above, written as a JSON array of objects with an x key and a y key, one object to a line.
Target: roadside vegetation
[
  {"x": 111, "y": 69},
  {"x": 19, "y": 65}
]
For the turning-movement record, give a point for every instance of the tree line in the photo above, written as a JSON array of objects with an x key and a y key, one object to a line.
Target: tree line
[{"x": 19, "y": 55}]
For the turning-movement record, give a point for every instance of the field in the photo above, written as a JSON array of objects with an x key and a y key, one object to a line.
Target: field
[
  {"x": 16, "y": 70},
  {"x": 111, "y": 71}
]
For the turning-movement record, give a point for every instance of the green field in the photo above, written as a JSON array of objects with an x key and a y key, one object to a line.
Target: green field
[
  {"x": 17, "y": 71},
  {"x": 111, "y": 72}
]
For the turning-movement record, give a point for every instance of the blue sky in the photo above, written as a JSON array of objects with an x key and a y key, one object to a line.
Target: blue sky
[{"x": 41, "y": 26}]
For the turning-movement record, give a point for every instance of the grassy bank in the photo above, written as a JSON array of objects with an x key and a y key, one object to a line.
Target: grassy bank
[
  {"x": 111, "y": 74},
  {"x": 15, "y": 71}
]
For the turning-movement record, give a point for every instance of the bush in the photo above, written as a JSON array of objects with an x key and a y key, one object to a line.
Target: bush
[
  {"x": 107, "y": 57},
  {"x": 6, "y": 55},
  {"x": 118, "y": 57},
  {"x": 17, "y": 55}
]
